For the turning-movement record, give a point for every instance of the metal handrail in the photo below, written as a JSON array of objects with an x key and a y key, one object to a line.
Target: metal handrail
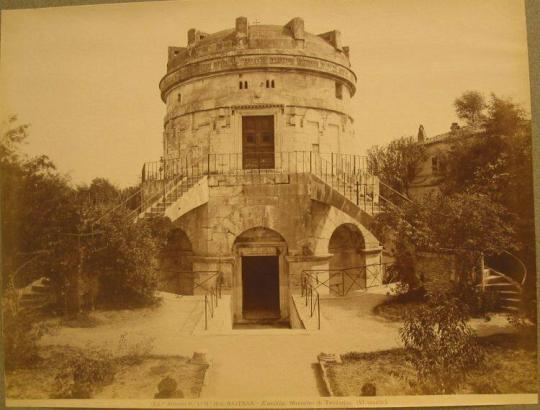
[
  {"x": 399, "y": 194},
  {"x": 306, "y": 286},
  {"x": 169, "y": 186},
  {"x": 345, "y": 173},
  {"x": 520, "y": 262},
  {"x": 114, "y": 208},
  {"x": 343, "y": 273},
  {"x": 216, "y": 163},
  {"x": 212, "y": 295}
]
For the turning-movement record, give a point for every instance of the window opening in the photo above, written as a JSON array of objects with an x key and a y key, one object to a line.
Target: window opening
[{"x": 339, "y": 91}]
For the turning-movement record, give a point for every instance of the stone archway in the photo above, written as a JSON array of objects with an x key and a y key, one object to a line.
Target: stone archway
[
  {"x": 260, "y": 279},
  {"x": 175, "y": 268},
  {"x": 347, "y": 264}
]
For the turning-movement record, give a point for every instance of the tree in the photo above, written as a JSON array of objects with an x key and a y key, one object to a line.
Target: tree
[
  {"x": 123, "y": 255},
  {"x": 49, "y": 229},
  {"x": 497, "y": 162},
  {"x": 468, "y": 222},
  {"x": 37, "y": 209},
  {"x": 397, "y": 163},
  {"x": 440, "y": 344},
  {"x": 505, "y": 118},
  {"x": 470, "y": 107}
]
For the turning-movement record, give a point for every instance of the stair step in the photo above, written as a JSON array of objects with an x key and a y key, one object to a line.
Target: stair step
[
  {"x": 496, "y": 277},
  {"x": 32, "y": 303},
  {"x": 515, "y": 309},
  {"x": 41, "y": 288},
  {"x": 34, "y": 296},
  {"x": 31, "y": 312},
  {"x": 500, "y": 284},
  {"x": 510, "y": 302},
  {"x": 511, "y": 299}
]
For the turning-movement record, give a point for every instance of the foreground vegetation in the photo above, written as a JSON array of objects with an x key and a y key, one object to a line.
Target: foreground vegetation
[
  {"x": 485, "y": 204},
  {"x": 510, "y": 368},
  {"x": 64, "y": 372}
]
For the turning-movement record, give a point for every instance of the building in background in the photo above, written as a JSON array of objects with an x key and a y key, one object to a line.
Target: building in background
[{"x": 431, "y": 170}]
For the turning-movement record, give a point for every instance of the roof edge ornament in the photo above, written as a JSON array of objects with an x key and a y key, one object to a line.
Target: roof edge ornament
[
  {"x": 194, "y": 36},
  {"x": 241, "y": 29},
  {"x": 332, "y": 37},
  {"x": 296, "y": 27}
]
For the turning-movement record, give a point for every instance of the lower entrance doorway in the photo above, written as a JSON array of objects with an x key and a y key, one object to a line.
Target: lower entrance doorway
[{"x": 260, "y": 287}]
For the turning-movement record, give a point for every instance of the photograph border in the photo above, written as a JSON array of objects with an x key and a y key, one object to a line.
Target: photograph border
[{"x": 532, "y": 8}]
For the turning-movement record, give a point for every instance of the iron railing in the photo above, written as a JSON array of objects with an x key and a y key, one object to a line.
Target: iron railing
[
  {"x": 347, "y": 174},
  {"x": 342, "y": 281},
  {"x": 293, "y": 162},
  {"x": 165, "y": 180},
  {"x": 212, "y": 286},
  {"x": 308, "y": 292}
]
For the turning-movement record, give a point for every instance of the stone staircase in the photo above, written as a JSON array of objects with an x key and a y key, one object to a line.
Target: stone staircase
[
  {"x": 179, "y": 189},
  {"x": 35, "y": 297},
  {"x": 507, "y": 289}
]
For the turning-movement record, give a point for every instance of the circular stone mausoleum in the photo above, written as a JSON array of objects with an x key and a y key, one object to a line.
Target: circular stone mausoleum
[{"x": 259, "y": 177}]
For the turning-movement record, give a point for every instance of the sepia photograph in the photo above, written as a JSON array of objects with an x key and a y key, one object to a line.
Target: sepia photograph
[{"x": 267, "y": 204}]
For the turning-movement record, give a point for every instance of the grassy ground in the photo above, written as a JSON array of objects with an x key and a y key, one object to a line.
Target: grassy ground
[
  {"x": 395, "y": 311},
  {"x": 132, "y": 377},
  {"x": 510, "y": 368}
]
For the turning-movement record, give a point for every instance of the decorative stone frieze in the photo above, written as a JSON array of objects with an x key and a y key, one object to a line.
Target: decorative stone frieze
[{"x": 224, "y": 64}]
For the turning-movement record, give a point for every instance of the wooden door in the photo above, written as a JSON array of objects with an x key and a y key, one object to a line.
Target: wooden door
[{"x": 258, "y": 142}]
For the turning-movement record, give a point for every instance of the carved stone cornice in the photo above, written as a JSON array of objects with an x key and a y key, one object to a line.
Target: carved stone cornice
[{"x": 243, "y": 62}]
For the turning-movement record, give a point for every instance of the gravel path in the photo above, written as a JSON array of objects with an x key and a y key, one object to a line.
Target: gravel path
[{"x": 251, "y": 362}]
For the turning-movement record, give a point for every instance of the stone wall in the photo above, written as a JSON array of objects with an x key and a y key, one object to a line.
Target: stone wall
[
  {"x": 308, "y": 116},
  {"x": 438, "y": 269}
]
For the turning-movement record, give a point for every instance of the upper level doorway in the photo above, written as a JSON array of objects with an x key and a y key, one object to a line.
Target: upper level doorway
[{"x": 258, "y": 142}]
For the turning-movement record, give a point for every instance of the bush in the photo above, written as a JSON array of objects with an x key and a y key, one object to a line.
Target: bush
[
  {"x": 21, "y": 334},
  {"x": 440, "y": 344},
  {"x": 133, "y": 353},
  {"x": 478, "y": 303},
  {"x": 405, "y": 294},
  {"x": 82, "y": 375},
  {"x": 368, "y": 389},
  {"x": 125, "y": 256}
]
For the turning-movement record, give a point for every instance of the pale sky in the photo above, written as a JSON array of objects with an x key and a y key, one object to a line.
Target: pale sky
[{"x": 86, "y": 77}]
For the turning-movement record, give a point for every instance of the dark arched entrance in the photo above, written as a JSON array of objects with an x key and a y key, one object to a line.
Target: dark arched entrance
[{"x": 260, "y": 277}]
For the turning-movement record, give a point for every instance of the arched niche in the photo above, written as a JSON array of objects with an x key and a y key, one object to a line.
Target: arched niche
[
  {"x": 347, "y": 264},
  {"x": 176, "y": 272}
]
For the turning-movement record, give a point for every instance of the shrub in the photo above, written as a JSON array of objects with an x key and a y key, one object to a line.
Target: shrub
[
  {"x": 21, "y": 334},
  {"x": 405, "y": 294},
  {"x": 478, "y": 302},
  {"x": 368, "y": 389},
  {"x": 133, "y": 353},
  {"x": 440, "y": 344},
  {"x": 125, "y": 257},
  {"x": 168, "y": 388},
  {"x": 82, "y": 375}
]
